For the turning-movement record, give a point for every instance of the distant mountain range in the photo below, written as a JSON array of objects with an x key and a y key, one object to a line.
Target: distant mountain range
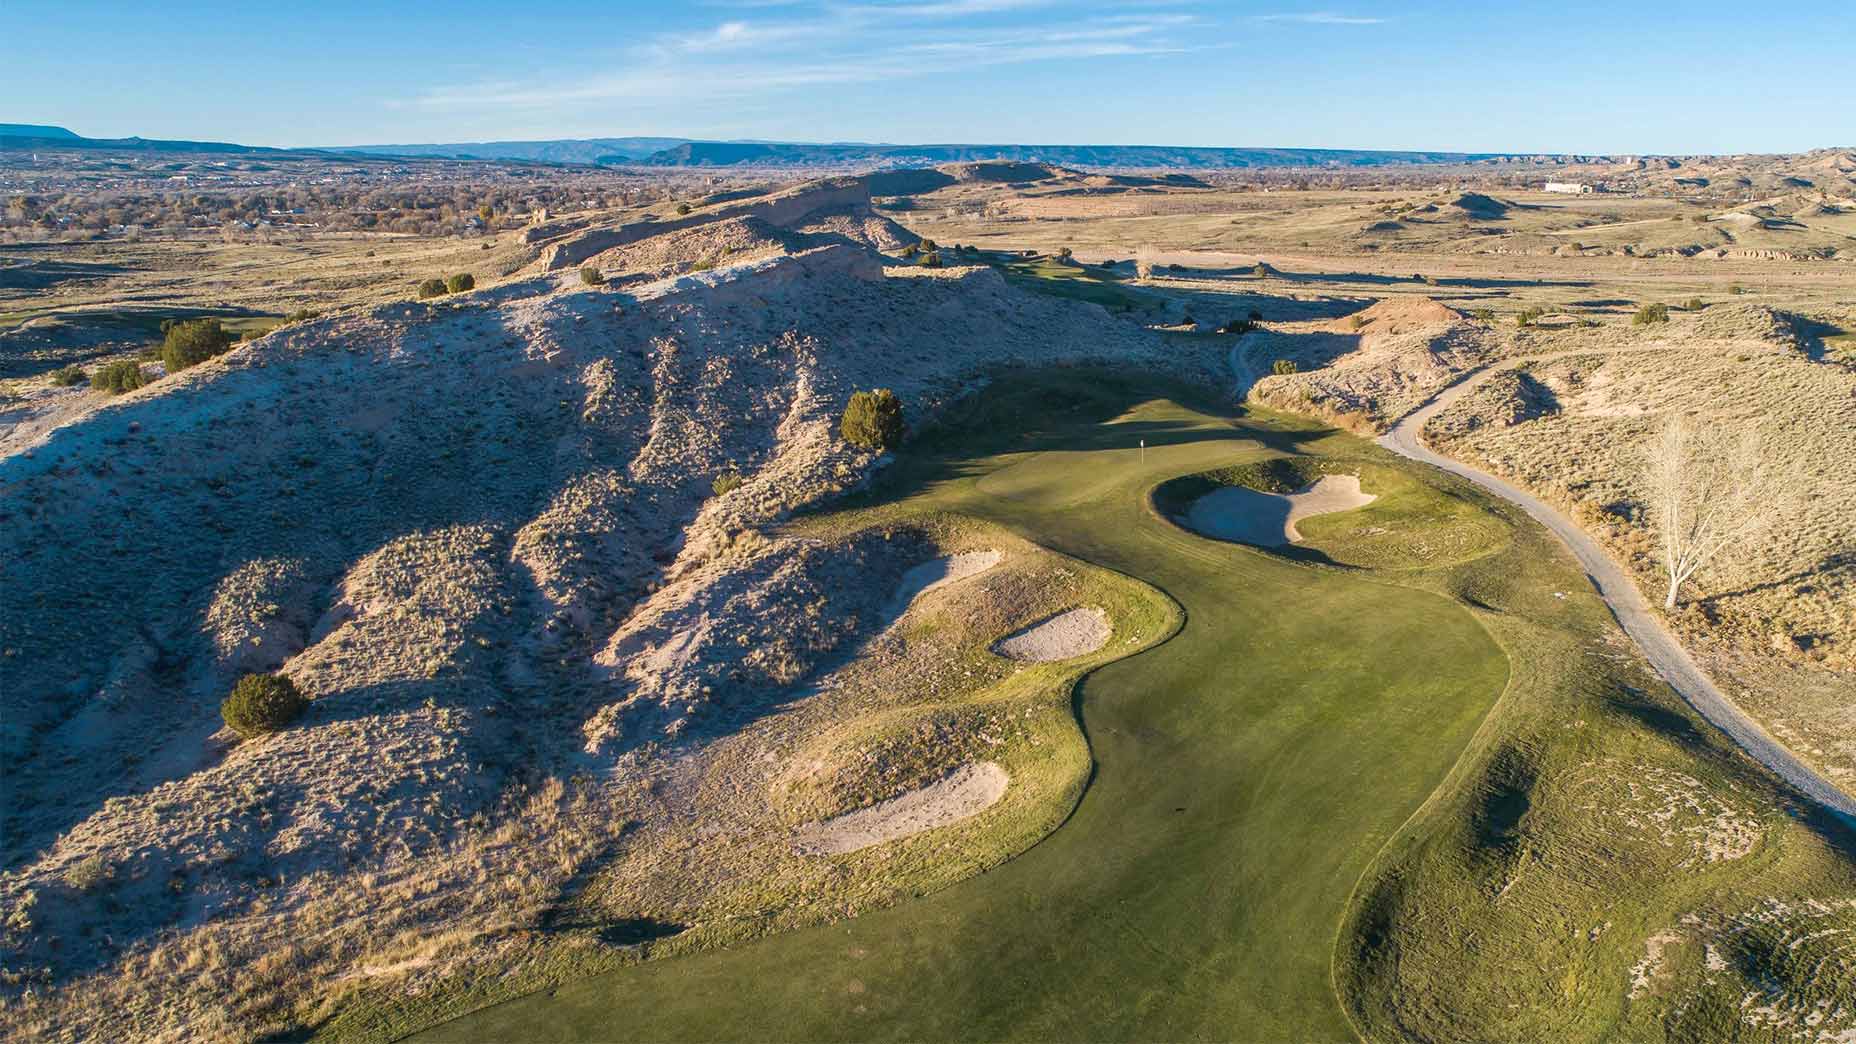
[
  {"x": 687, "y": 152},
  {"x": 565, "y": 150}
]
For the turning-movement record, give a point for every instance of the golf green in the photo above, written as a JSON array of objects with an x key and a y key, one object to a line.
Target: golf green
[{"x": 1247, "y": 771}]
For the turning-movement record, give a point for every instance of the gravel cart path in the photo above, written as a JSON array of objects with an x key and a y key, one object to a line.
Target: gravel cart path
[{"x": 1659, "y": 646}]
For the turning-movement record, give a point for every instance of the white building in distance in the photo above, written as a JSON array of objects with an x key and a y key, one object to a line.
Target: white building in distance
[{"x": 1575, "y": 188}]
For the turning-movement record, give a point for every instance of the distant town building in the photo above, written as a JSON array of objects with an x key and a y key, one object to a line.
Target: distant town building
[{"x": 1575, "y": 188}]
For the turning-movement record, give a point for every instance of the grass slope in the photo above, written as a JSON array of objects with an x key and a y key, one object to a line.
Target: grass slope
[
  {"x": 1311, "y": 816},
  {"x": 1187, "y": 895}
]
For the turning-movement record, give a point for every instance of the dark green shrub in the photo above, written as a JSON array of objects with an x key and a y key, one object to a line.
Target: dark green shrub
[
  {"x": 1237, "y": 326},
  {"x": 432, "y": 288},
  {"x": 461, "y": 282},
  {"x": 932, "y": 259},
  {"x": 192, "y": 342},
  {"x": 1527, "y": 316},
  {"x": 123, "y": 375},
  {"x": 911, "y": 250},
  {"x": 1486, "y": 315},
  {"x": 1261, "y": 270},
  {"x": 684, "y": 208},
  {"x": 873, "y": 420},
  {"x": 1695, "y": 304},
  {"x": 727, "y": 482},
  {"x": 301, "y": 315},
  {"x": 69, "y": 377},
  {"x": 591, "y": 275},
  {"x": 262, "y": 703},
  {"x": 1650, "y": 313},
  {"x": 1284, "y": 366}
]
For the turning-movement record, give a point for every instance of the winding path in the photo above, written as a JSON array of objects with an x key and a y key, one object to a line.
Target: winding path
[{"x": 1659, "y": 646}]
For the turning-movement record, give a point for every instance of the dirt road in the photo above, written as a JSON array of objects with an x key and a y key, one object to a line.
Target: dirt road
[{"x": 1659, "y": 646}]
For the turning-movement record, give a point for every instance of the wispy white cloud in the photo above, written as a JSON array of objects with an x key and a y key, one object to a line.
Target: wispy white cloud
[
  {"x": 1320, "y": 18},
  {"x": 845, "y": 44}
]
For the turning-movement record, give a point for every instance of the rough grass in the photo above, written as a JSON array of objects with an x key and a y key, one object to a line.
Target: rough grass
[
  {"x": 1076, "y": 282},
  {"x": 1249, "y": 771},
  {"x": 1175, "y": 842}
]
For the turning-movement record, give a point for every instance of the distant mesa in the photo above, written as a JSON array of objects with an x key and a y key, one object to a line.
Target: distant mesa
[{"x": 33, "y": 130}]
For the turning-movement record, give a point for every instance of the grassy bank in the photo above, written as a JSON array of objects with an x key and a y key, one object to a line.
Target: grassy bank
[
  {"x": 1188, "y": 894},
  {"x": 1425, "y": 792}
]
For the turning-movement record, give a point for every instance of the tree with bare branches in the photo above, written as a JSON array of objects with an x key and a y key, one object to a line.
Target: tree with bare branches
[
  {"x": 1710, "y": 490},
  {"x": 1144, "y": 263}
]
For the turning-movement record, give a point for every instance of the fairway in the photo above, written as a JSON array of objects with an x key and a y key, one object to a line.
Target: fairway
[{"x": 1247, "y": 772}]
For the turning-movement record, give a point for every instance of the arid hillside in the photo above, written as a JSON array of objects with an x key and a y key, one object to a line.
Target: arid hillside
[
  {"x": 1775, "y": 621},
  {"x": 485, "y": 536}
]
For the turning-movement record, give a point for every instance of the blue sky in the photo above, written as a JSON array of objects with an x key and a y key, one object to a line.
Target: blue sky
[{"x": 1620, "y": 77}]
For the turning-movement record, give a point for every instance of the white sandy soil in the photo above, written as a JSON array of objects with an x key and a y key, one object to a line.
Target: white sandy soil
[
  {"x": 1268, "y": 519},
  {"x": 962, "y": 794},
  {"x": 944, "y": 570},
  {"x": 1069, "y": 634}
]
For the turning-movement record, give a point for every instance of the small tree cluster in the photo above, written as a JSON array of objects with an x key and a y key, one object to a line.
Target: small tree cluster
[
  {"x": 193, "y": 341},
  {"x": 431, "y": 288},
  {"x": 262, "y": 703},
  {"x": 69, "y": 377},
  {"x": 123, "y": 375},
  {"x": 592, "y": 276},
  {"x": 1261, "y": 270},
  {"x": 1650, "y": 313},
  {"x": 1283, "y": 367},
  {"x": 1527, "y": 316},
  {"x": 932, "y": 259},
  {"x": 461, "y": 282},
  {"x": 872, "y": 420}
]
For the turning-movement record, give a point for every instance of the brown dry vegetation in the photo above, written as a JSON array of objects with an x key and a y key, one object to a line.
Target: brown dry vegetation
[
  {"x": 568, "y": 701},
  {"x": 481, "y": 534}
]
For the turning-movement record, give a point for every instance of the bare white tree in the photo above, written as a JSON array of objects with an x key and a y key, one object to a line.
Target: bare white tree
[
  {"x": 1710, "y": 490},
  {"x": 1144, "y": 263}
]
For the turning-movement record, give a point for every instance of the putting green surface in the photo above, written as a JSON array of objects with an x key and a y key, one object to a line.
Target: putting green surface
[{"x": 1247, "y": 772}]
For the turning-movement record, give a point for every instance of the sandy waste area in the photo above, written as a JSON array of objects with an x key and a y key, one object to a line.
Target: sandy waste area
[
  {"x": 1069, "y": 634},
  {"x": 1268, "y": 519},
  {"x": 962, "y": 794}
]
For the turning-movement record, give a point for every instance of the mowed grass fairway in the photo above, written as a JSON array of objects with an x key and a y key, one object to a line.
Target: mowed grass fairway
[{"x": 1248, "y": 772}]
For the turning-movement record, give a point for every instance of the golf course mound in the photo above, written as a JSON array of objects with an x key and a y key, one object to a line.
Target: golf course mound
[
  {"x": 1065, "y": 636},
  {"x": 966, "y": 792}
]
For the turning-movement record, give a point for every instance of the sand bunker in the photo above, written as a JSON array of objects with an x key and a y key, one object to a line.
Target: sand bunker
[
  {"x": 1268, "y": 519},
  {"x": 1065, "y": 636},
  {"x": 964, "y": 793},
  {"x": 945, "y": 570}
]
